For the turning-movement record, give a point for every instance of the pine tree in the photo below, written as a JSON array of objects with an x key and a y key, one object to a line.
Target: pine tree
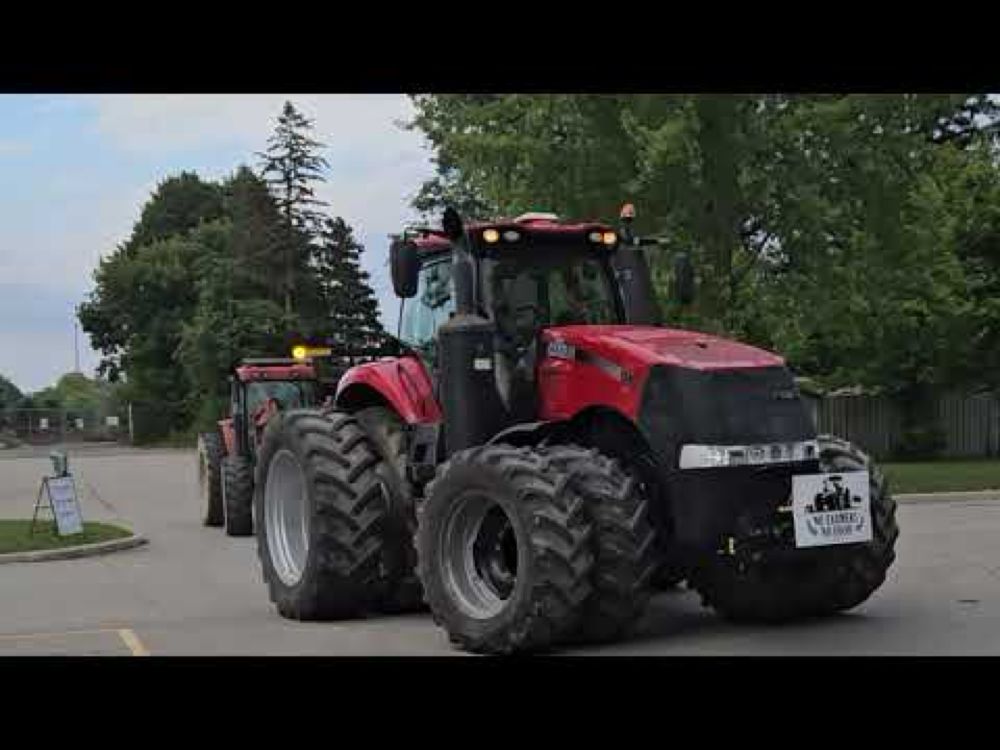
[
  {"x": 351, "y": 319},
  {"x": 291, "y": 166}
]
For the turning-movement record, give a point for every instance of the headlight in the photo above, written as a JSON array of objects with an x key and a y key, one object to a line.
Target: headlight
[{"x": 712, "y": 456}]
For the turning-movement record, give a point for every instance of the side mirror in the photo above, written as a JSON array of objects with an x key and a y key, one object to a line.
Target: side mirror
[
  {"x": 405, "y": 265},
  {"x": 683, "y": 279}
]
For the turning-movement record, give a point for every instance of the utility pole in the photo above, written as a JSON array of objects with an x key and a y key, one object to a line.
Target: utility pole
[{"x": 76, "y": 346}]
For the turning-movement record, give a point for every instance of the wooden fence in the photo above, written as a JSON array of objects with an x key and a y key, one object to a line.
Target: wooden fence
[{"x": 970, "y": 423}]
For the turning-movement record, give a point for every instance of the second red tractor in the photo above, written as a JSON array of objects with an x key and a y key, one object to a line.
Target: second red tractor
[{"x": 259, "y": 389}]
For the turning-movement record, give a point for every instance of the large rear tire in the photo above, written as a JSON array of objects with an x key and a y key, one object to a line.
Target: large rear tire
[
  {"x": 210, "y": 477},
  {"x": 321, "y": 511},
  {"x": 503, "y": 548},
  {"x": 841, "y": 579},
  {"x": 623, "y": 542},
  {"x": 403, "y": 592},
  {"x": 237, "y": 495}
]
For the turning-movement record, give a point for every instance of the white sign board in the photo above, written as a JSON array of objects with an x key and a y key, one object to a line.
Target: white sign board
[
  {"x": 831, "y": 508},
  {"x": 79, "y": 424},
  {"x": 111, "y": 421},
  {"x": 65, "y": 507},
  {"x": 43, "y": 423}
]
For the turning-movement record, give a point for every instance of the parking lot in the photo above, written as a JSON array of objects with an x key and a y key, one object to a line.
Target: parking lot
[{"x": 193, "y": 591}]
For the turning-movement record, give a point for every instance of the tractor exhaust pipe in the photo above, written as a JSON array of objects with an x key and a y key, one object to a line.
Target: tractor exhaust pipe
[
  {"x": 470, "y": 400},
  {"x": 461, "y": 262},
  {"x": 634, "y": 277}
]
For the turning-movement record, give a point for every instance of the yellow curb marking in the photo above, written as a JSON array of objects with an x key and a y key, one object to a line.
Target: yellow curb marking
[
  {"x": 132, "y": 642},
  {"x": 35, "y": 636},
  {"x": 128, "y": 637}
]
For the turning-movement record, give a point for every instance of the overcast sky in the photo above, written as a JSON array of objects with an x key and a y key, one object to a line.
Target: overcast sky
[{"x": 76, "y": 170}]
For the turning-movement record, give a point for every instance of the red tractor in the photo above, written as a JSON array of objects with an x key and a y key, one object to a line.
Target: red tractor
[
  {"x": 530, "y": 457},
  {"x": 259, "y": 389}
]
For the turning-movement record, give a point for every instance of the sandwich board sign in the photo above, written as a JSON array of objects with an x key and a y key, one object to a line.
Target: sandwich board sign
[
  {"x": 65, "y": 506},
  {"x": 60, "y": 491}
]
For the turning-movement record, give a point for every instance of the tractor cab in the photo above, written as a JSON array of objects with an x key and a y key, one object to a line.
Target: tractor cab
[
  {"x": 260, "y": 388},
  {"x": 519, "y": 277}
]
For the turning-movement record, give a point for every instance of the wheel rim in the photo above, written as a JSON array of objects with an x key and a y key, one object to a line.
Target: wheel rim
[
  {"x": 478, "y": 555},
  {"x": 286, "y": 518}
]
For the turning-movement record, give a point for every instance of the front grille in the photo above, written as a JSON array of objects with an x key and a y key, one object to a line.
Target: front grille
[{"x": 721, "y": 407}]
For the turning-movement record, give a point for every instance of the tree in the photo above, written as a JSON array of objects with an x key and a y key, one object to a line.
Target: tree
[
  {"x": 118, "y": 311},
  {"x": 292, "y": 165},
  {"x": 144, "y": 292},
  {"x": 10, "y": 396},
  {"x": 177, "y": 206},
  {"x": 258, "y": 234},
  {"x": 816, "y": 222},
  {"x": 351, "y": 310},
  {"x": 232, "y": 319}
]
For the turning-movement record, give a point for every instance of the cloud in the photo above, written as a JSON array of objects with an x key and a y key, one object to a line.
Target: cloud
[
  {"x": 166, "y": 122},
  {"x": 12, "y": 147},
  {"x": 375, "y": 165},
  {"x": 100, "y": 158}
]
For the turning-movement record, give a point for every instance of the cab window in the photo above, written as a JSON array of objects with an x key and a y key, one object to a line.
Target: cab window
[{"x": 433, "y": 305}]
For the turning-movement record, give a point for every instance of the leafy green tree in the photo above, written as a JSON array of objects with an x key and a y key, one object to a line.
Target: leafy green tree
[
  {"x": 816, "y": 222},
  {"x": 177, "y": 206},
  {"x": 124, "y": 313},
  {"x": 232, "y": 319},
  {"x": 257, "y": 235},
  {"x": 166, "y": 303},
  {"x": 10, "y": 395}
]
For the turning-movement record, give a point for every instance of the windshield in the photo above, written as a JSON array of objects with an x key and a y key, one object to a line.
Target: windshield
[
  {"x": 289, "y": 395},
  {"x": 532, "y": 291}
]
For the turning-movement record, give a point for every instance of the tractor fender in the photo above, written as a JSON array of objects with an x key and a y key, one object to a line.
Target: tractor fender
[
  {"x": 599, "y": 426},
  {"x": 401, "y": 383},
  {"x": 527, "y": 433}
]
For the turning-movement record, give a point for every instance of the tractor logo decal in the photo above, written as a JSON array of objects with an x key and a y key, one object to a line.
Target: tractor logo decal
[
  {"x": 561, "y": 350},
  {"x": 834, "y": 510}
]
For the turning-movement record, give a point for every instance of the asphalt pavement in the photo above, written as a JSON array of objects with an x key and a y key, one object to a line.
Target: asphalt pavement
[{"x": 194, "y": 591}]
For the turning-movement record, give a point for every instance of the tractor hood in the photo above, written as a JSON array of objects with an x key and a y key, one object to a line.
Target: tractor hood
[{"x": 644, "y": 346}]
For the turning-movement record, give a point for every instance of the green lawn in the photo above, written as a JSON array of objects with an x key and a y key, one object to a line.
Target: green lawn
[
  {"x": 943, "y": 476},
  {"x": 14, "y": 535}
]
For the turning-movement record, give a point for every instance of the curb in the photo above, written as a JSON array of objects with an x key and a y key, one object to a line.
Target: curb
[
  {"x": 82, "y": 550},
  {"x": 947, "y": 497}
]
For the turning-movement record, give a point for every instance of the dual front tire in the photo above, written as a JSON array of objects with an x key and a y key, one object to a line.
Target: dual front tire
[
  {"x": 833, "y": 580},
  {"x": 521, "y": 549},
  {"x": 517, "y": 549}
]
